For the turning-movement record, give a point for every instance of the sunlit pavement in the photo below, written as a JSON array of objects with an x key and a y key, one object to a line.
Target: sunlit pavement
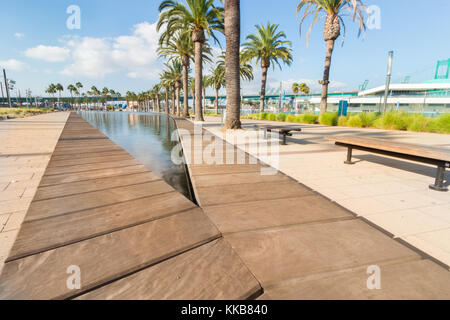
[
  {"x": 389, "y": 192},
  {"x": 25, "y": 150}
]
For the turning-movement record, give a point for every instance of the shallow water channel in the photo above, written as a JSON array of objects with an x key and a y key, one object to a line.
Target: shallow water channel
[{"x": 147, "y": 137}]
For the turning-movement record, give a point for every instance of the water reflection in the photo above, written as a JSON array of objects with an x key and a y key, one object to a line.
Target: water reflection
[{"x": 148, "y": 138}]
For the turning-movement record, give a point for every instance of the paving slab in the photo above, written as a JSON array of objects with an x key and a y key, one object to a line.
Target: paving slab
[{"x": 211, "y": 272}]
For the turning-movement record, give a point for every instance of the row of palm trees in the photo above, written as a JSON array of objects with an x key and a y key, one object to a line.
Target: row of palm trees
[
  {"x": 91, "y": 96},
  {"x": 188, "y": 28}
]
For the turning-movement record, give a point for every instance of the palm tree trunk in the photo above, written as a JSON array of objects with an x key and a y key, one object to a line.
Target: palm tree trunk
[
  {"x": 263, "y": 89},
  {"x": 185, "y": 91},
  {"x": 178, "y": 99},
  {"x": 232, "y": 64},
  {"x": 198, "y": 81},
  {"x": 174, "y": 102},
  {"x": 326, "y": 76},
  {"x": 158, "y": 104},
  {"x": 167, "y": 101},
  {"x": 216, "y": 103}
]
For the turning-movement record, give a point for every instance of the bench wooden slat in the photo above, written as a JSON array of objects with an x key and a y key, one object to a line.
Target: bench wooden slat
[{"x": 434, "y": 153}]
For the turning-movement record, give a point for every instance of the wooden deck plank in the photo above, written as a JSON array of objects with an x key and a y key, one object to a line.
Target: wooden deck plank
[
  {"x": 212, "y": 271},
  {"x": 92, "y": 166},
  {"x": 403, "y": 281},
  {"x": 239, "y": 217},
  {"x": 400, "y": 147},
  {"x": 63, "y": 205},
  {"x": 225, "y": 194},
  {"x": 41, "y": 235},
  {"x": 280, "y": 254},
  {"x": 89, "y": 175},
  {"x": 105, "y": 258},
  {"x": 70, "y": 162},
  {"x": 72, "y": 188}
]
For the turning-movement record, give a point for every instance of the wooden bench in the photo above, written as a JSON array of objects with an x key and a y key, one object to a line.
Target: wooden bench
[
  {"x": 284, "y": 131},
  {"x": 415, "y": 152}
]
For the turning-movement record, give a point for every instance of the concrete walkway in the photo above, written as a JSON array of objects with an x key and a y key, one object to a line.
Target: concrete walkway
[
  {"x": 26, "y": 146},
  {"x": 391, "y": 193}
]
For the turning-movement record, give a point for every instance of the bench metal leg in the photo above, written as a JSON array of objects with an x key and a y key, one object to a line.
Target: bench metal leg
[
  {"x": 349, "y": 156},
  {"x": 439, "y": 183},
  {"x": 284, "y": 140}
]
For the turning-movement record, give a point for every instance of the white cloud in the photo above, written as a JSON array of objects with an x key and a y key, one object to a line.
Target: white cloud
[
  {"x": 48, "y": 53},
  {"x": 13, "y": 64},
  {"x": 19, "y": 35},
  {"x": 135, "y": 54}
]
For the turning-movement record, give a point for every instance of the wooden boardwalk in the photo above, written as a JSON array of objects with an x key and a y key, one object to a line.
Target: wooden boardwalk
[
  {"x": 131, "y": 234},
  {"x": 299, "y": 244}
]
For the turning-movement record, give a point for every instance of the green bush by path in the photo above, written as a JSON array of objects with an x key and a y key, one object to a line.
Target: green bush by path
[
  {"x": 342, "y": 121},
  {"x": 394, "y": 120},
  {"x": 329, "y": 119},
  {"x": 355, "y": 121},
  {"x": 281, "y": 117},
  {"x": 440, "y": 124}
]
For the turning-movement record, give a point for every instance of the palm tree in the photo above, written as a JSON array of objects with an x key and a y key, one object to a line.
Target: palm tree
[
  {"x": 59, "y": 88},
  {"x": 156, "y": 91},
  {"x": 51, "y": 90},
  {"x": 71, "y": 89},
  {"x": 334, "y": 10},
  {"x": 79, "y": 86},
  {"x": 166, "y": 83},
  {"x": 232, "y": 70},
  {"x": 199, "y": 16},
  {"x": 105, "y": 94},
  {"x": 217, "y": 81},
  {"x": 268, "y": 47}
]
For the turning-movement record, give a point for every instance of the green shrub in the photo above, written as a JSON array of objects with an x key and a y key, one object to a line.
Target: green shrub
[
  {"x": 368, "y": 118},
  {"x": 290, "y": 118},
  {"x": 355, "y": 121},
  {"x": 310, "y": 118},
  {"x": 342, "y": 121},
  {"x": 329, "y": 119},
  {"x": 418, "y": 122},
  {"x": 271, "y": 117},
  {"x": 440, "y": 124},
  {"x": 395, "y": 120},
  {"x": 281, "y": 117}
]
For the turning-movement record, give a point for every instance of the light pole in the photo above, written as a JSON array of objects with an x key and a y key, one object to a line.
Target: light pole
[
  {"x": 6, "y": 87},
  {"x": 388, "y": 80}
]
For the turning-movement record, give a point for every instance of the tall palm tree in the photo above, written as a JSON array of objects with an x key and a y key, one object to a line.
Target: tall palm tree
[
  {"x": 217, "y": 81},
  {"x": 166, "y": 83},
  {"x": 79, "y": 86},
  {"x": 334, "y": 11},
  {"x": 156, "y": 91},
  {"x": 268, "y": 47},
  {"x": 203, "y": 19},
  {"x": 232, "y": 70},
  {"x": 60, "y": 89},
  {"x": 51, "y": 90},
  {"x": 71, "y": 89}
]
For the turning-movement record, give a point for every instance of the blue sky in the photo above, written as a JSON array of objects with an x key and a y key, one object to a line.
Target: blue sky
[{"x": 116, "y": 44}]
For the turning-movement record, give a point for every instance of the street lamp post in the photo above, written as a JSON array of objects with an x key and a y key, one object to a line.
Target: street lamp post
[
  {"x": 388, "y": 80},
  {"x": 6, "y": 87}
]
